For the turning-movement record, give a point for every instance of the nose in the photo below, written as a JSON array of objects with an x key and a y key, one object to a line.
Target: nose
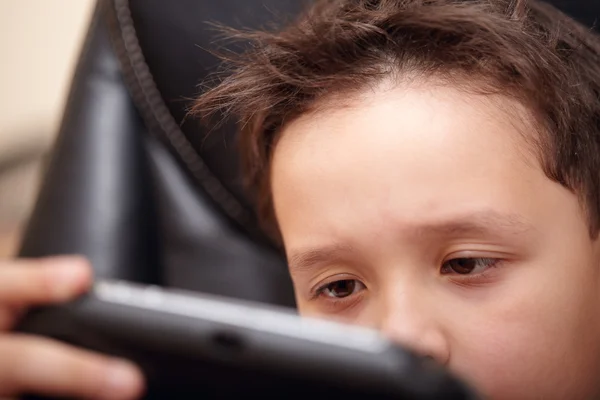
[{"x": 407, "y": 321}]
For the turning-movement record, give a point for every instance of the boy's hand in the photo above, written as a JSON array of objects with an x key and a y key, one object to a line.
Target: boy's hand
[{"x": 36, "y": 365}]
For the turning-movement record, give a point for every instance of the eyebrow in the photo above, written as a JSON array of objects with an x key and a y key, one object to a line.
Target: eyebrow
[
  {"x": 302, "y": 260},
  {"x": 484, "y": 223},
  {"x": 488, "y": 224}
]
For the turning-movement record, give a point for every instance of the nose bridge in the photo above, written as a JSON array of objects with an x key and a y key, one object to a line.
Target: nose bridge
[{"x": 408, "y": 316}]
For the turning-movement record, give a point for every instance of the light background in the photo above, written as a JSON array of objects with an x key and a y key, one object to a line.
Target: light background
[{"x": 39, "y": 46}]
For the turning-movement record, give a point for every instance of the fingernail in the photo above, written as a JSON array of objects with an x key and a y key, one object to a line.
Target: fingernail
[
  {"x": 66, "y": 277},
  {"x": 123, "y": 381}
]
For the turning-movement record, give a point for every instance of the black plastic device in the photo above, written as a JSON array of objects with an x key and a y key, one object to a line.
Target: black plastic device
[{"x": 192, "y": 345}]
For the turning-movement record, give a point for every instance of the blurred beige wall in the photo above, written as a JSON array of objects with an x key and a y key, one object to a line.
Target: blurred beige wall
[{"x": 39, "y": 43}]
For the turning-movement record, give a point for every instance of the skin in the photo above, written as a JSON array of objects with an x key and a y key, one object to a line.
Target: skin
[
  {"x": 386, "y": 202},
  {"x": 30, "y": 364}
]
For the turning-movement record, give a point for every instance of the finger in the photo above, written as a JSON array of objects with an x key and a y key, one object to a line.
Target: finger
[
  {"x": 39, "y": 281},
  {"x": 8, "y": 316},
  {"x": 34, "y": 365}
]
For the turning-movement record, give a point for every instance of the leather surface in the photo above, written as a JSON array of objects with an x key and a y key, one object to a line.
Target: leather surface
[
  {"x": 585, "y": 11},
  {"x": 95, "y": 199},
  {"x": 113, "y": 193},
  {"x": 200, "y": 247}
]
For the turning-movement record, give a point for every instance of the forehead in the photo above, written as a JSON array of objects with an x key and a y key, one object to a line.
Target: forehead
[
  {"x": 430, "y": 112},
  {"x": 409, "y": 153}
]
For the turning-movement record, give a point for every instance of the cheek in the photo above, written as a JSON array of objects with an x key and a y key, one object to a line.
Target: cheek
[
  {"x": 499, "y": 355},
  {"x": 535, "y": 335},
  {"x": 363, "y": 312}
]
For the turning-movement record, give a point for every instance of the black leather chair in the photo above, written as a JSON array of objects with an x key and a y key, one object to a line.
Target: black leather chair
[
  {"x": 147, "y": 195},
  {"x": 144, "y": 192}
]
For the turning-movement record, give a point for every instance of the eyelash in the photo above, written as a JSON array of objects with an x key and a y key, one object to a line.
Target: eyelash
[
  {"x": 488, "y": 261},
  {"x": 478, "y": 279},
  {"x": 320, "y": 291},
  {"x": 465, "y": 278}
]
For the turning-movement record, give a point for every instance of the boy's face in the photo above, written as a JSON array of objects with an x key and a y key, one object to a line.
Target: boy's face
[{"x": 421, "y": 211}]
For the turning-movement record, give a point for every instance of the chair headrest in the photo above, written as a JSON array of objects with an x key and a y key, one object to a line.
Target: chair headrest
[{"x": 165, "y": 51}]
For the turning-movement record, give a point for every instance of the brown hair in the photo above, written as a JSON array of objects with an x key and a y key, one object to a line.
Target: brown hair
[{"x": 525, "y": 50}]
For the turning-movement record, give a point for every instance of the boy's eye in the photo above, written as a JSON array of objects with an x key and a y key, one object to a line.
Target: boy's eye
[
  {"x": 342, "y": 288},
  {"x": 468, "y": 266}
]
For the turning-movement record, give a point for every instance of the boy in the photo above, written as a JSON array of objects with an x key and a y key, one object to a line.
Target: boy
[{"x": 431, "y": 169}]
